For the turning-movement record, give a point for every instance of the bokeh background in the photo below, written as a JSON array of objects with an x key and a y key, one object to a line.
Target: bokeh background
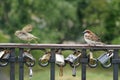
[{"x": 61, "y": 21}]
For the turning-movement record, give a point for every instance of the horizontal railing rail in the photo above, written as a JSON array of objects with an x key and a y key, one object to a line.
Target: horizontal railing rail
[{"x": 84, "y": 60}]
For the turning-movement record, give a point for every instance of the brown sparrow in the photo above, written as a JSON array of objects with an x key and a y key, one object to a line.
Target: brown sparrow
[
  {"x": 27, "y": 28},
  {"x": 25, "y": 35},
  {"x": 91, "y": 38}
]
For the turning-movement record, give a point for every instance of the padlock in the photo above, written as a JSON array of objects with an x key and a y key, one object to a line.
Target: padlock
[
  {"x": 103, "y": 59},
  {"x": 5, "y": 54},
  {"x": 92, "y": 61},
  {"x": 44, "y": 60},
  {"x": 28, "y": 55},
  {"x": 46, "y": 57},
  {"x": 59, "y": 58},
  {"x": 29, "y": 59},
  {"x": 2, "y": 53},
  {"x": 73, "y": 58}
]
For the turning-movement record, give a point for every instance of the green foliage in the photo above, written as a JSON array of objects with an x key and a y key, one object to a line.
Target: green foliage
[
  {"x": 56, "y": 21},
  {"x": 4, "y": 38}
]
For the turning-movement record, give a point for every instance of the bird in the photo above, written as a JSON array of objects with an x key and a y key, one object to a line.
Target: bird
[
  {"x": 27, "y": 28},
  {"x": 25, "y": 35},
  {"x": 91, "y": 38}
]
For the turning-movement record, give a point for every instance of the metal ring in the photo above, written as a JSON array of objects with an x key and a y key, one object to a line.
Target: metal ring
[
  {"x": 93, "y": 64},
  {"x": 3, "y": 63},
  {"x": 29, "y": 62},
  {"x": 43, "y": 63},
  {"x": 105, "y": 65}
]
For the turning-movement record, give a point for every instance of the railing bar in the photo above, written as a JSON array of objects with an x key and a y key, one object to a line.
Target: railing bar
[
  {"x": 12, "y": 65},
  {"x": 83, "y": 74},
  {"x": 115, "y": 66},
  {"x": 21, "y": 65},
  {"x": 52, "y": 67}
]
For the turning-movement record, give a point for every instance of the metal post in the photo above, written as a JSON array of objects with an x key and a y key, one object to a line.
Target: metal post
[
  {"x": 12, "y": 64},
  {"x": 21, "y": 65},
  {"x": 83, "y": 74},
  {"x": 115, "y": 66},
  {"x": 52, "y": 70}
]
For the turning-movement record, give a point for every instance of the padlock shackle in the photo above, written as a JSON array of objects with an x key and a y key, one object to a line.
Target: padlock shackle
[
  {"x": 3, "y": 63},
  {"x": 106, "y": 66},
  {"x": 91, "y": 61},
  {"x": 45, "y": 64}
]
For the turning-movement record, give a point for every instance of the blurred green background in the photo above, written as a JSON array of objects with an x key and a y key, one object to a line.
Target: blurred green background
[{"x": 61, "y": 21}]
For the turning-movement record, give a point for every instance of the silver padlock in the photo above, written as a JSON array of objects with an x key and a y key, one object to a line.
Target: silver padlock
[
  {"x": 29, "y": 59},
  {"x": 105, "y": 57},
  {"x": 4, "y": 58},
  {"x": 71, "y": 58},
  {"x": 59, "y": 59},
  {"x": 28, "y": 55}
]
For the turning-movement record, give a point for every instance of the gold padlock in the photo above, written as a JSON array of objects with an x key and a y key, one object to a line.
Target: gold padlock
[{"x": 92, "y": 61}]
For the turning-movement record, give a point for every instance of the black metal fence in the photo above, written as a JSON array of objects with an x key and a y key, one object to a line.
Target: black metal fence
[{"x": 84, "y": 60}]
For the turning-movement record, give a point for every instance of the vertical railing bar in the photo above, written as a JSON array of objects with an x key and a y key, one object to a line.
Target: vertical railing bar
[
  {"x": 12, "y": 64},
  {"x": 115, "y": 65},
  {"x": 83, "y": 66},
  {"x": 21, "y": 65},
  {"x": 52, "y": 67}
]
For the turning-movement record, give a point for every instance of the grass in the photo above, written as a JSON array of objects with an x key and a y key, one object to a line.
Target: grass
[
  {"x": 43, "y": 73},
  {"x": 91, "y": 74}
]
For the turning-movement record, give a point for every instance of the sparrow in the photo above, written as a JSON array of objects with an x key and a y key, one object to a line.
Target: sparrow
[
  {"x": 91, "y": 38},
  {"x": 25, "y": 35},
  {"x": 27, "y": 28}
]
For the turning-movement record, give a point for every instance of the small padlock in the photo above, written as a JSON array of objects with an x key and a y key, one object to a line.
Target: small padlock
[
  {"x": 28, "y": 55},
  {"x": 59, "y": 58},
  {"x": 28, "y": 58},
  {"x": 44, "y": 60},
  {"x": 92, "y": 61},
  {"x": 46, "y": 57},
  {"x": 4, "y": 59},
  {"x": 103, "y": 59},
  {"x": 73, "y": 59}
]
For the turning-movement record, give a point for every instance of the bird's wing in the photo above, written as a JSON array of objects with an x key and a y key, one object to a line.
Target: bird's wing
[
  {"x": 27, "y": 28},
  {"x": 95, "y": 37}
]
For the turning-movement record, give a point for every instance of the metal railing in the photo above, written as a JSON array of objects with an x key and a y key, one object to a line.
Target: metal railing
[{"x": 84, "y": 60}]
